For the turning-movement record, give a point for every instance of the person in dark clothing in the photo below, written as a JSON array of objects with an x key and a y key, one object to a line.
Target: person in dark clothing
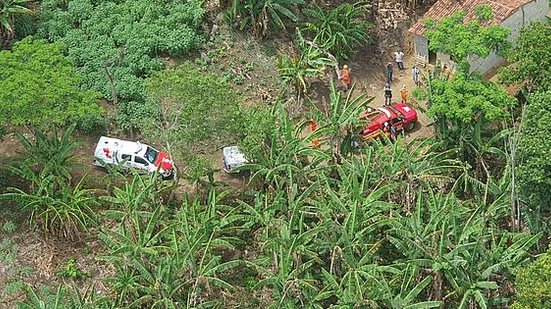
[
  {"x": 388, "y": 94},
  {"x": 392, "y": 130},
  {"x": 389, "y": 72}
]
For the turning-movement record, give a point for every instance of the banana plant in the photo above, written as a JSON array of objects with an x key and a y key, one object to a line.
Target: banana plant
[
  {"x": 287, "y": 157},
  {"x": 339, "y": 30},
  {"x": 55, "y": 207},
  {"x": 354, "y": 215},
  {"x": 262, "y": 15},
  {"x": 410, "y": 290},
  {"x": 139, "y": 236},
  {"x": 53, "y": 154},
  {"x": 340, "y": 117},
  {"x": 305, "y": 61},
  {"x": 414, "y": 164},
  {"x": 140, "y": 193},
  {"x": 9, "y": 10},
  {"x": 464, "y": 252}
]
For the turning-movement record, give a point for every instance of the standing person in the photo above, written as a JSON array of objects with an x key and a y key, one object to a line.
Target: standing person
[
  {"x": 404, "y": 94},
  {"x": 345, "y": 77},
  {"x": 386, "y": 130},
  {"x": 415, "y": 75},
  {"x": 392, "y": 130},
  {"x": 389, "y": 72},
  {"x": 388, "y": 94},
  {"x": 399, "y": 59}
]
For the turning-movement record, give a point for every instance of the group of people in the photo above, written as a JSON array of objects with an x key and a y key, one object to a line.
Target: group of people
[
  {"x": 415, "y": 73},
  {"x": 344, "y": 77}
]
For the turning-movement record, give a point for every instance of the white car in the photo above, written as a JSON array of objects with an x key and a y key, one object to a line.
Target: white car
[
  {"x": 233, "y": 158},
  {"x": 134, "y": 155}
]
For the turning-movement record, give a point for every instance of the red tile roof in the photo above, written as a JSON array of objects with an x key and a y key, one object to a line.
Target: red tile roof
[{"x": 444, "y": 8}]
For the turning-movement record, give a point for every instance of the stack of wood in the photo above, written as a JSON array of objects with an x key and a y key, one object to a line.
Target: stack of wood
[{"x": 391, "y": 13}]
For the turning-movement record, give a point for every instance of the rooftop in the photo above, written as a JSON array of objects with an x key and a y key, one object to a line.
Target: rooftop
[{"x": 444, "y": 8}]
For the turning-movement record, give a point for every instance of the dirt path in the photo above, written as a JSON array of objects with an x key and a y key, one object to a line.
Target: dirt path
[{"x": 372, "y": 86}]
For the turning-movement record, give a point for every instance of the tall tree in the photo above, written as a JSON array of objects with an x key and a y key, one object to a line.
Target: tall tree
[
  {"x": 535, "y": 167},
  {"x": 460, "y": 39},
  {"x": 530, "y": 58}
]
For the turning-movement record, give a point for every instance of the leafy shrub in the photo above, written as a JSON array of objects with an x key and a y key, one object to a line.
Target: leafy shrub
[
  {"x": 530, "y": 58},
  {"x": 202, "y": 108},
  {"x": 133, "y": 115},
  {"x": 459, "y": 39},
  {"x": 38, "y": 86},
  {"x": 71, "y": 270},
  {"x": 534, "y": 284},
  {"x": 125, "y": 37},
  {"x": 533, "y": 171},
  {"x": 90, "y": 123}
]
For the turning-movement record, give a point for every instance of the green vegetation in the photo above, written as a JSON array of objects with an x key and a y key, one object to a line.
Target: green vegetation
[
  {"x": 530, "y": 58},
  {"x": 10, "y": 10},
  {"x": 72, "y": 271},
  {"x": 262, "y": 16},
  {"x": 55, "y": 205},
  {"x": 116, "y": 44},
  {"x": 322, "y": 219},
  {"x": 466, "y": 99},
  {"x": 340, "y": 30},
  {"x": 307, "y": 61},
  {"x": 459, "y": 40},
  {"x": 39, "y": 87},
  {"x": 534, "y": 183},
  {"x": 534, "y": 284},
  {"x": 196, "y": 109}
]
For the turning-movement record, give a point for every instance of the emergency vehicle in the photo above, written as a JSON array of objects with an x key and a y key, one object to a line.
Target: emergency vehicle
[
  {"x": 401, "y": 116},
  {"x": 132, "y": 155}
]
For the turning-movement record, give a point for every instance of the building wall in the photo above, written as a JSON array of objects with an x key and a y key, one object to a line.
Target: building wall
[
  {"x": 421, "y": 46},
  {"x": 533, "y": 11}
]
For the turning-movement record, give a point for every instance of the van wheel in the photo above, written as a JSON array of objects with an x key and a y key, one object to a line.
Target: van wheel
[{"x": 411, "y": 126}]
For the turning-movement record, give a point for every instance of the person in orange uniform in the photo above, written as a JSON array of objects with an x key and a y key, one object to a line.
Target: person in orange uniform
[
  {"x": 314, "y": 127},
  {"x": 404, "y": 94},
  {"x": 345, "y": 77}
]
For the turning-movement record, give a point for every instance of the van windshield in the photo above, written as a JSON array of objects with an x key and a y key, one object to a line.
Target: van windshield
[{"x": 151, "y": 154}]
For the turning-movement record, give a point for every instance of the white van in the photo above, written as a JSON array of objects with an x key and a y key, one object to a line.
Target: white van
[{"x": 134, "y": 155}]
